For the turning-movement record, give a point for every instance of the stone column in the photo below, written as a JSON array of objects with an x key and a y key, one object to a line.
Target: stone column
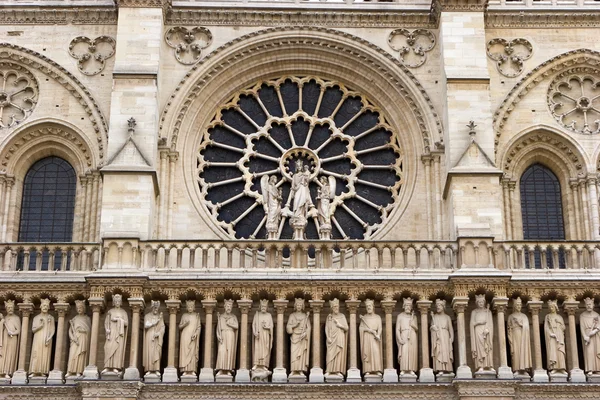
[
  {"x": 500, "y": 304},
  {"x": 56, "y": 375},
  {"x": 539, "y": 373},
  {"x": 459, "y": 304},
  {"x": 576, "y": 374},
  {"x": 20, "y": 375},
  {"x": 389, "y": 373},
  {"x": 132, "y": 372},
  {"x": 243, "y": 374},
  {"x": 170, "y": 374},
  {"x": 316, "y": 372},
  {"x": 353, "y": 374},
  {"x": 426, "y": 372},
  {"x": 207, "y": 373},
  {"x": 593, "y": 192},
  {"x": 280, "y": 372},
  {"x": 91, "y": 370}
]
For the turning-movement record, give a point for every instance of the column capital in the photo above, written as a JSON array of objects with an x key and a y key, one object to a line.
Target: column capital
[
  {"x": 136, "y": 304},
  {"x": 61, "y": 309},
  {"x": 571, "y": 307},
  {"x": 388, "y": 305},
  {"x": 173, "y": 306},
  {"x": 316, "y": 305},
  {"x": 25, "y": 308},
  {"x": 96, "y": 303},
  {"x": 424, "y": 305},
  {"x": 535, "y": 306},
  {"x": 459, "y": 304},
  {"x": 280, "y": 305},
  {"x": 352, "y": 306},
  {"x": 245, "y": 305},
  {"x": 209, "y": 305},
  {"x": 500, "y": 304}
]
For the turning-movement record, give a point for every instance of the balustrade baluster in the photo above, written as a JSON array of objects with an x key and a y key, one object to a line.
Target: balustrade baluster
[
  {"x": 26, "y": 255},
  {"x": 392, "y": 257},
  {"x": 229, "y": 257},
  {"x": 404, "y": 258},
  {"x": 179, "y": 257},
  {"x": 379, "y": 258},
  {"x": 543, "y": 258},
  {"x": 205, "y": 257},
  {"x": 354, "y": 258},
  {"x": 217, "y": 263},
  {"x": 38, "y": 260},
  {"x": 192, "y": 257},
  {"x": 417, "y": 258}
]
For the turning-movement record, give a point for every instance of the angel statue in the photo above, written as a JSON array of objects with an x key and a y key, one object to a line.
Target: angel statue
[
  {"x": 303, "y": 207},
  {"x": 272, "y": 198},
  {"x": 325, "y": 193}
]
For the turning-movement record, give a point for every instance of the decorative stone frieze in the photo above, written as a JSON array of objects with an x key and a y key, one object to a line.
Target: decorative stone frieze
[
  {"x": 19, "y": 92},
  {"x": 51, "y": 16},
  {"x": 412, "y": 46},
  {"x": 509, "y": 55},
  {"x": 91, "y": 54},
  {"x": 188, "y": 43}
]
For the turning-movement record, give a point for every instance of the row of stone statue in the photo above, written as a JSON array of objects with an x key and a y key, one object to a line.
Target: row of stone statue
[{"x": 370, "y": 332}]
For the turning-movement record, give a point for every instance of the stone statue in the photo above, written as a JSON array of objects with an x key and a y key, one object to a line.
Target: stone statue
[
  {"x": 10, "y": 329},
  {"x": 300, "y": 193},
  {"x": 554, "y": 332},
  {"x": 370, "y": 330},
  {"x": 298, "y": 327},
  {"x": 41, "y": 348},
  {"x": 115, "y": 325},
  {"x": 80, "y": 328},
  {"x": 272, "y": 199},
  {"x": 325, "y": 193},
  {"x": 262, "y": 332},
  {"x": 154, "y": 331},
  {"x": 519, "y": 339},
  {"x": 189, "y": 340},
  {"x": 482, "y": 335},
  {"x": 336, "y": 333},
  {"x": 407, "y": 339},
  {"x": 227, "y": 334},
  {"x": 442, "y": 337},
  {"x": 589, "y": 324}
]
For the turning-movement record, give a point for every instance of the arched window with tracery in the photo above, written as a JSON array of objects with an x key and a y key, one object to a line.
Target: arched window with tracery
[
  {"x": 541, "y": 209},
  {"x": 47, "y": 206}
]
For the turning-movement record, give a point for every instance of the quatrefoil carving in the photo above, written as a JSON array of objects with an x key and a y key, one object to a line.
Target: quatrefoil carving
[
  {"x": 412, "y": 46},
  {"x": 509, "y": 55},
  {"x": 188, "y": 43},
  {"x": 91, "y": 54}
]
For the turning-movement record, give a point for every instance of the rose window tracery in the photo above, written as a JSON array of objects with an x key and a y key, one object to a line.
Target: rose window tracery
[
  {"x": 299, "y": 157},
  {"x": 574, "y": 101},
  {"x": 18, "y": 94}
]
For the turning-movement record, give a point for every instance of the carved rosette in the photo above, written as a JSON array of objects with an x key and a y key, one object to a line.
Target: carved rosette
[
  {"x": 412, "y": 46},
  {"x": 19, "y": 92},
  {"x": 188, "y": 43},
  {"x": 336, "y": 132},
  {"x": 91, "y": 54},
  {"x": 509, "y": 55},
  {"x": 574, "y": 100}
]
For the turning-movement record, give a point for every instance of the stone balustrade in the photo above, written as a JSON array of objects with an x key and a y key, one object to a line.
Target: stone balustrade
[
  {"x": 49, "y": 256},
  {"x": 547, "y": 255},
  {"x": 540, "y": 4}
]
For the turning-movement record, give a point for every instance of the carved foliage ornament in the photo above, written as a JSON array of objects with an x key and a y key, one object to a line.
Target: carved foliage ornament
[
  {"x": 412, "y": 46},
  {"x": 91, "y": 54},
  {"x": 574, "y": 100},
  {"x": 18, "y": 94},
  {"x": 509, "y": 55},
  {"x": 273, "y": 127},
  {"x": 188, "y": 43}
]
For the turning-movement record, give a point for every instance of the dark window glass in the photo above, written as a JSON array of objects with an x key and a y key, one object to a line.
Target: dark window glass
[
  {"x": 47, "y": 207},
  {"x": 541, "y": 208}
]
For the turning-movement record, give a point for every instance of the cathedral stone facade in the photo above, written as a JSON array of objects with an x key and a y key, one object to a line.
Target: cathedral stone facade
[{"x": 252, "y": 199}]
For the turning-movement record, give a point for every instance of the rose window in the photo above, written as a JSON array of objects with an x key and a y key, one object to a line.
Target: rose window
[
  {"x": 299, "y": 157},
  {"x": 575, "y": 103},
  {"x": 18, "y": 94}
]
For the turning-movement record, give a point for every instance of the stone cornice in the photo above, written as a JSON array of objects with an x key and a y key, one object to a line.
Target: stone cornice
[
  {"x": 58, "y": 16},
  {"x": 558, "y": 18}
]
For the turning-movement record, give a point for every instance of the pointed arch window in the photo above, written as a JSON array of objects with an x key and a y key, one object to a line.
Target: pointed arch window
[
  {"x": 48, "y": 206},
  {"x": 541, "y": 209}
]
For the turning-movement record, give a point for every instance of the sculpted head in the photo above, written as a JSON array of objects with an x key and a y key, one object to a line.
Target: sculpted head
[
  {"x": 324, "y": 181},
  {"x": 335, "y": 305},
  {"x": 299, "y": 165},
  {"x": 589, "y": 304},
  {"x": 117, "y": 300},
  {"x": 440, "y": 305},
  {"x": 10, "y": 307},
  {"x": 370, "y": 305},
  {"x": 480, "y": 300},
  {"x": 190, "y": 306},
  {"x": 553, "y": 306},
  {"x": 264, "y": 304},
  {"x": 154, "y": 306},
  {"x": 228, "y": 306},
  {"x": 517, "y": 304},
  {"x": 407, "y": 305},
  {"x": 273, "y": 180},
  {"x": 298, "y": 304},
  {"x": 80, "y": 306},
  {"x": 45, "y": 305}
]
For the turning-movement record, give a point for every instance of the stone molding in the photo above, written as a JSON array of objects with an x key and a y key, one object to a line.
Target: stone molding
[
  {"x": 58, "y": 16},
  {"x": 528, "y": 18}
]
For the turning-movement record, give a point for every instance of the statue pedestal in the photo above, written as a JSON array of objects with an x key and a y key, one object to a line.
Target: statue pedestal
[
  {"x": 505, "y": 373},
  {"x": 540, "y": 376},
  {"x": 593, "y": 378},
  {"x": 115, "y": 376},
  {"x": 73, "y": 379},
  {"x": 296, "y": 377},
  {"x": 577, "y": 376},
  {"x": 374, "y": 378},
  {"x": 131, "y": 374},
  {"x": 55, "y": 378},
  {"x": 37, "y": 380},
  {"x": 19, "y": 378},
  {"x": 464, "y": 372},
  {"x": 523, "y": 376},
  {"x": 558, "y": 377},
  {"x": 353, "y": 375},
  {"x": 445, "y": 377},
  {"x": 152, "y": 377},
  {"x": 242, "y": 375},
  {"x": 334, "y": 378},
  {"x": 390, "y": 375},
  {"x": 4, "y": 380},
  {"x": 170, "y": 375},
  {"x": 91, "y": 373},
  {"x": 426, "y": 375},
  {"x": 316, "y": 375},
  {"x": 486, "y": 374},
  {"x": 279, "y": 375},
  {"x": 207, "y": 375},
  {"x": 224, "y": 378},
  {"x": 192, "y": 378},
  {"x": 407, "y": 377}
]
